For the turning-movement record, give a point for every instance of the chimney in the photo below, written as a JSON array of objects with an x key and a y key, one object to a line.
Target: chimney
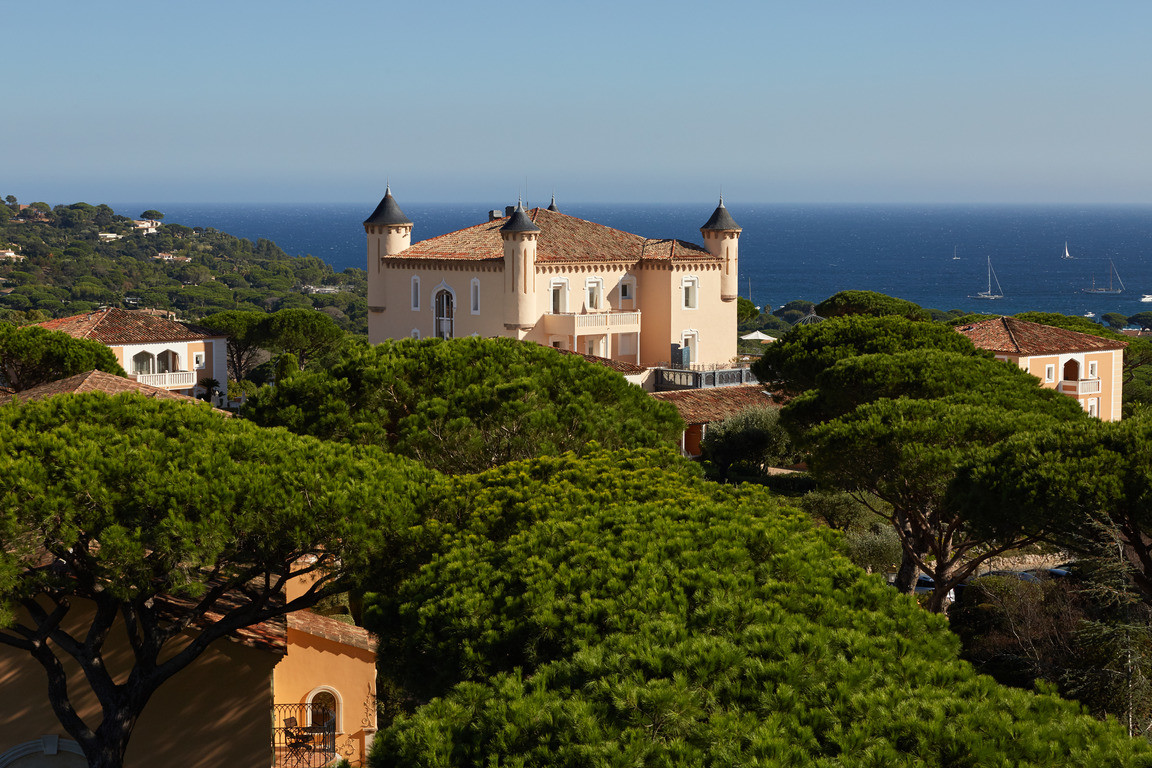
[
  {"x": 509, "y": 209},
  {"x": 494, "y": 214}
]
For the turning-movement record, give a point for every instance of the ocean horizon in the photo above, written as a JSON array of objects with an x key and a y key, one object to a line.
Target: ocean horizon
[{"x": 935, "y": 255}]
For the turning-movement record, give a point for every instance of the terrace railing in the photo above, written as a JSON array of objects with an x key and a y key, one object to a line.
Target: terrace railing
[{"x": 303, "y": 735}]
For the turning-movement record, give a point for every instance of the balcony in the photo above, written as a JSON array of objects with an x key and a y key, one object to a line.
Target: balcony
[
  {"x": 303, "y": 735},
  {"x": 592, "y": 323},
  {"x": 170, "y": 380},
  {"x": 1080, "y": 387},
  {"x": 702, "y": 377}
]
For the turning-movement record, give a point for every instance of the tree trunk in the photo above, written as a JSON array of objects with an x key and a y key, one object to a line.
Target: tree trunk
[{"x": 906, "y": 577}]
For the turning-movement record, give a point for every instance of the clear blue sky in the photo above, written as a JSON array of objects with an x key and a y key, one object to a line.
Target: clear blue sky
[{"x": 769, "y": 101}]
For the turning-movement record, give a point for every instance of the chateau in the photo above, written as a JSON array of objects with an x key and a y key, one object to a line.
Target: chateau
[{"x": 540, "y": 275}]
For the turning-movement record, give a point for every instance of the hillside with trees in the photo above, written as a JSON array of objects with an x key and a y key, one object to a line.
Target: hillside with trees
[{"x": 78, "y": 257}]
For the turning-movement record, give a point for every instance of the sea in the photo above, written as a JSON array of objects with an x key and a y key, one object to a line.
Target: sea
[{"x": 939, "y": 256}]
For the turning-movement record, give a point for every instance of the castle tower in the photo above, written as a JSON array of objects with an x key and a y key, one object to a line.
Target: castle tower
[
  {"x": 389, "y": 230},
  {"x": 519, "y": 235},
  {"x": 722, "y": 239}
]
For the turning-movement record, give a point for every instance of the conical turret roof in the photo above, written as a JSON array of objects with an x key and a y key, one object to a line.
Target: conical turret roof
[
  {"x": 519, "y": 221},
  {"x": 552, "y": 205},
  {"x": 721, "y": 220},
  {"x": 388, "y": 212}
]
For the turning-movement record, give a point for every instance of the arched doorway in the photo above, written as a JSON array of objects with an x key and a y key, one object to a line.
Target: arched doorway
[
  {"x": 445, "y": 310},
  {"x": 1072, "y": 370}
]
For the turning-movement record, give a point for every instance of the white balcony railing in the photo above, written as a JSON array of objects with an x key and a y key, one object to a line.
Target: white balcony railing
[
  {"x": 171, "y": 380},
  {"x": 572, "y": 324},
  {"x": 1080, "y": 387}
]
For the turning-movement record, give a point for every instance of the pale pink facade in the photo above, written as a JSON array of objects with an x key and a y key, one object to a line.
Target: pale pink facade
[{"x": 558, "y": 281}]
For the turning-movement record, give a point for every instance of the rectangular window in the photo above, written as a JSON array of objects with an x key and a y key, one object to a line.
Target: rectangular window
[
  {"x": 625, "y": 291},
  {"x": 1092, "y": 370},
  {"x": 691, "y": 288},
  {"x": 198, "y": 360},
  {"x": 557, "y": 298},
  {"x": 595, "y": 290},
  {"x": 416, "y": 293},
  {"x": 1049, "y": 373},
  {"x": 475, "y": 297}
]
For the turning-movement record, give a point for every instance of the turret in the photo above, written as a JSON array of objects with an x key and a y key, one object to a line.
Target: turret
[
  {"x": 389, "y": 230},
  {"x": 722, "y": 239},
  {"x": 519, "y": 235}
]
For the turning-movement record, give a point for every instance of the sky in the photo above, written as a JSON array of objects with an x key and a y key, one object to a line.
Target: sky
[{"x": 821, "y": 101}]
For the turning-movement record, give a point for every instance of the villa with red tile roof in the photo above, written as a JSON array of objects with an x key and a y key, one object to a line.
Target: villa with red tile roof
[
  {"x": 154, "y": 350},
  {"x": 292, "y": 692},
  {"x": 560, "y": 281},
  {"x": 701, "y": 407},
  {"x": 1088, "y": 368}
]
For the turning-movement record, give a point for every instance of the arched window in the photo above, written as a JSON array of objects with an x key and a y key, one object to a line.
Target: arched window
[
  {"x": 324, "y": 708},
  {"x": 444, "y": 311},
  {"x": 142, "y": 363},
  {"x": 1072, "y": 370},
  {"x": 167, "y": 362}
]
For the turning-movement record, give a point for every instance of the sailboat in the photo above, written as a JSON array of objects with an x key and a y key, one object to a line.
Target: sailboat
[
  {"x": 988, "y": 294},
  {"x": 1066, "y": 254},
  {"x": 1110, "y": 289},
  {"x": 954, "y": 256}
]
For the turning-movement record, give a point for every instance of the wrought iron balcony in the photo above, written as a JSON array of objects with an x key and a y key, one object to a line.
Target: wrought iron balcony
[
  {"x": 701, "y": 377},
  {"x": 303, "y": 735}
]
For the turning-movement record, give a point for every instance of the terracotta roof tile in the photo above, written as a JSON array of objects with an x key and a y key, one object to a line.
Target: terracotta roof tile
[
  {"x": 704, "y": 406},
  {"x": 617, "y": 365},
  {"x": 332, "y": 629},
  {"x": 562, "y": 239},
  {"x": 97, "y": 381},
  {"x": 1010, "y": 335},
  {"x": 115, "y": 326},
  {"x": 268, "y": 635}
]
